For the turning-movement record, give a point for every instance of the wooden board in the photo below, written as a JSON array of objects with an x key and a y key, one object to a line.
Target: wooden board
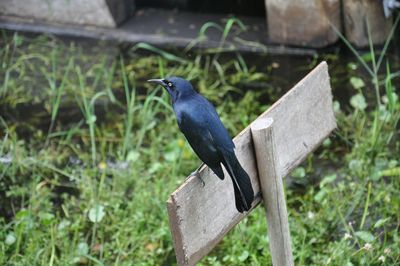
[{"x": 200, "y": 216}]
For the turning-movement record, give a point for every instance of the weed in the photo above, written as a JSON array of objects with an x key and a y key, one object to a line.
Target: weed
[{"x": 95, "y": 194}]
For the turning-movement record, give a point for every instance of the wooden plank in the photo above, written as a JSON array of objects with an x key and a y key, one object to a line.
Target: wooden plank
[
  {"x": 201, "y": 216},
  {"x": 262, "y": 131}
]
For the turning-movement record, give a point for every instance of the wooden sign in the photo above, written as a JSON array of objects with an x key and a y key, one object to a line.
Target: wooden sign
[{"x": 294, "y": 126}]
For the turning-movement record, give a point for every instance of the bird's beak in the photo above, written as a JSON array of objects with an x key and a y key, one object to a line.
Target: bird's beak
[{"x": 157, "y": 81}]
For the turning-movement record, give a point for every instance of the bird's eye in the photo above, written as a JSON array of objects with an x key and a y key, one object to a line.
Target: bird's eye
[{"x": 169, "y": 84}]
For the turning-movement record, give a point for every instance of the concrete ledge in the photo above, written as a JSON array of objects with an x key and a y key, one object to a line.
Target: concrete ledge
[
  {"x": 102, "y": 13},
  {"x": 166, "y": 28}
]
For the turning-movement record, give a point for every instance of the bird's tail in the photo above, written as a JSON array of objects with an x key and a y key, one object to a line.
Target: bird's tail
[{"x": 244, "y": 194}]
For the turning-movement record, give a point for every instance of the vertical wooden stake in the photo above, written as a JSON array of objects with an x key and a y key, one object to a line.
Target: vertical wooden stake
[{"x": 272, "y": 192}]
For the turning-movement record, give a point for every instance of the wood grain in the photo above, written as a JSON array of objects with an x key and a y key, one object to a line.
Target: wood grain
[{"x": 201, "y": 216}]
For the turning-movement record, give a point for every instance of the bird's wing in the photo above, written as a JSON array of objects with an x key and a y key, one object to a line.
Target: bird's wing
[
  {"x": 195, "y": 128},
  {"x": 209, "y": 139},
  {"x": 201, "y": 124},
  {"x": 216, "y": 129},
  {"x": 244, "y": 193}
]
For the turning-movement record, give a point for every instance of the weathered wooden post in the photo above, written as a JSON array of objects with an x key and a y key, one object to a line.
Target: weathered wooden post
[
  {"x": 303, "y": 22},
  {"x": 359, "y": 15},
  {"x": 273, "y": 194},
  {"x": 201, "y": 216}
]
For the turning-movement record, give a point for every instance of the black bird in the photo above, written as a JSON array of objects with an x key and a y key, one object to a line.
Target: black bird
[{"x": 202, "y": 127}]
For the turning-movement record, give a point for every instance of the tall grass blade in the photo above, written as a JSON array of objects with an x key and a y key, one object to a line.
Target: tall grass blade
[
  {"x": 166, "y": 55},
  {"x": 374, "y": 67},
  {"x": 386, "y": 45},
  {"x": 348, "y": 44},
  {"x": 56, "y": 101}
]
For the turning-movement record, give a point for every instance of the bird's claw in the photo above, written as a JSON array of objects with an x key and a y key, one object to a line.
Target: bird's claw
[{"x": 197, "y": 174}]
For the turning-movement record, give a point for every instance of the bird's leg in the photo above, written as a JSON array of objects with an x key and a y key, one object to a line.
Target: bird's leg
[{"x": 196, "y": 173}]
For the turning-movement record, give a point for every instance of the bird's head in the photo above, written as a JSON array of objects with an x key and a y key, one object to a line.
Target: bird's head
[{"x": 177, "y": 87}]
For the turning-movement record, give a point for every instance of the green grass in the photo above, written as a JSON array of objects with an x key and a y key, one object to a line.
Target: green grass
[{"x": 86, "y": 171}]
